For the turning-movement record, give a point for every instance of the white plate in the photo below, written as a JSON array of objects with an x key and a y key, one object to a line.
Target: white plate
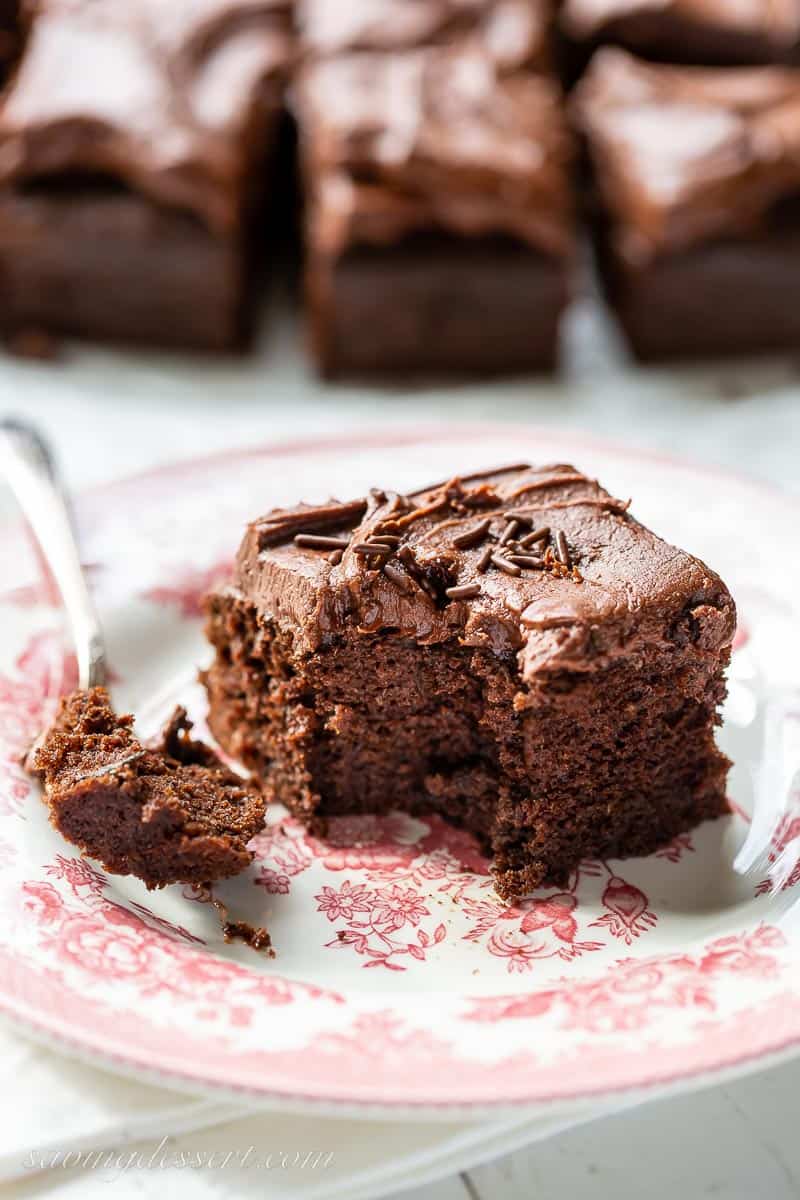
[{"x": 402, "y": 984}]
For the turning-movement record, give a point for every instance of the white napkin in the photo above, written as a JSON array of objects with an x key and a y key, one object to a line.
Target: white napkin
[{"x": 138, "y": 1137}]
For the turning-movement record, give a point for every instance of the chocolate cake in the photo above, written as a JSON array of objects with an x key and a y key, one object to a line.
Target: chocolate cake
[
  {"x": 512, "y": 650},
  {"x": 134, "y": 145},
  {"x": 436, "y": 164},
  {"x": 697, "y": 173},
  {"x": 168, "y": 814},
  {"x": 703, "y": 32}
]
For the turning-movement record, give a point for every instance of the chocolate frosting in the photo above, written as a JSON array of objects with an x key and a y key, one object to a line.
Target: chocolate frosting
[
  {"x": 436, "y": 138},
  {"x": 622, "y": 589},
  {"x": 684, "y": 155},
  {"x": 514, "y": 33},
  {"x": 171, "y": 98},
  {"x": 775, "y": 20}
]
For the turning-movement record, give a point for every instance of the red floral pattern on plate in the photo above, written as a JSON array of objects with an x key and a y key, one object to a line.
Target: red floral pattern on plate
[
  {"x": 374, "y": 920},
  {"x": 100, "y": 938},
  {"x": 630, "y": 996},
  {"x": 628, "y": 916},
  {"x": 371, "y": 917}
]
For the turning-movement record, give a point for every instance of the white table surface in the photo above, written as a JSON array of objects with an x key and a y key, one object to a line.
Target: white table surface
[{"x": 111, "y": 414}]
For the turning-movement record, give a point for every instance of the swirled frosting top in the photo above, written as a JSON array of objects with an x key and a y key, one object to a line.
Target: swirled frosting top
[
  {"x": 540, "y": 563},
  {"x": 170, "y": 97},
  {"x": 685, "y": 154},
  {"x": 435, "y": 138}
]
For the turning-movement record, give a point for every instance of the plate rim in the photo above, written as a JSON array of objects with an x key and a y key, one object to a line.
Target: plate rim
[{"x": 267, "y": 1100}]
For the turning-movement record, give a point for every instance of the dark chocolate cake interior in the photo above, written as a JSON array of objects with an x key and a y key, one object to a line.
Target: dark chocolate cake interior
[{"x": 555, "y": 711}]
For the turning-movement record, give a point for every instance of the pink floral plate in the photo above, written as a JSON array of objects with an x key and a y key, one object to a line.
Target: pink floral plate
[{"x": 401, "y": 983}]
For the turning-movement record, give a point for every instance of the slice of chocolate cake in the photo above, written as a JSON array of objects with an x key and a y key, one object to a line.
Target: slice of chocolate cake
[
  {"x": 437, "y": 164},
  {"x": 697, "y": 183},
  {"x": 168, "y": 814},
  {"x": 512, "y": 650},
  {"x": 137, "y": 151}
]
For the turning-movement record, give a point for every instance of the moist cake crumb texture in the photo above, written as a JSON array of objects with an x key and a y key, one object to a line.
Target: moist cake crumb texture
[
  {"x": 511, "y": 650},
  {"x": 168, "y": 814}
]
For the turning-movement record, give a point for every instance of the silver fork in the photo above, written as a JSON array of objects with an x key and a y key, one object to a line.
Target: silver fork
[{"x": 29, "y": 468}]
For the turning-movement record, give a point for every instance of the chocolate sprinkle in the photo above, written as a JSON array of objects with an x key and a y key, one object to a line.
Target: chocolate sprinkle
[
  {"x": 335, "y": 557},
  {"x": 367, "y": 549},
  {"x": 315, "y": 541},
  {"x": 538, "y": 535},
  {"x": 509, "y": 533},
  {"x": 473, "y": 537},
  {"x": 562, "y": 549},
  {"x": 465, "y": 591},
  {"x": 485, "y": 559},
  {"x": 505, "y": 565},
  {"x": 528, "y": 561}
]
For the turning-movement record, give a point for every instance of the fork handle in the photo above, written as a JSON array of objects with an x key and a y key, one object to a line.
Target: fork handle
[{"x": 28, "y": 467}]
